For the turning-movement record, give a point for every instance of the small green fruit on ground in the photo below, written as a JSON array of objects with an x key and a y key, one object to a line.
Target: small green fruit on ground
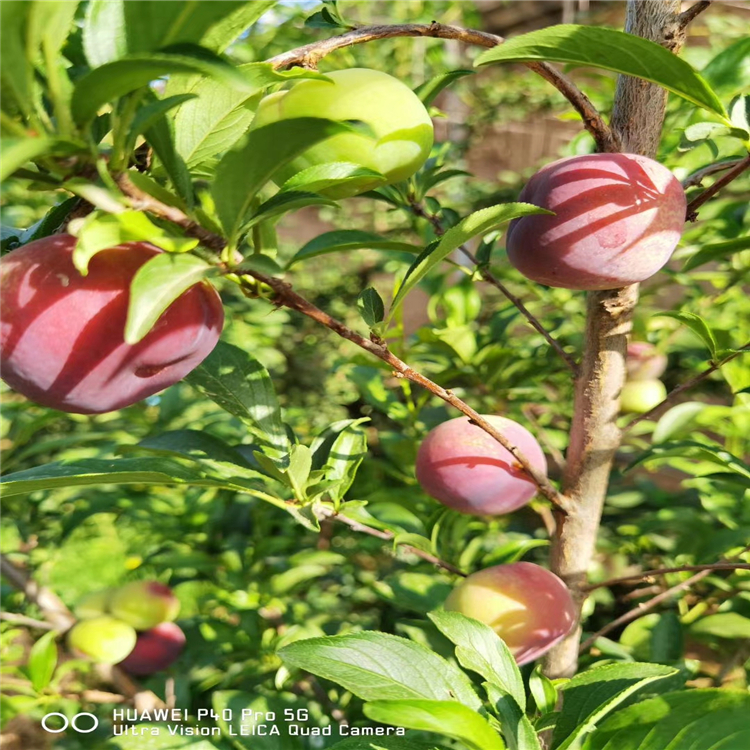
[
  {"x": 144, "y": 604},
  {"x": 644, "y": 361},
  {"x": 155, "y": 650},
  {"x": 618, "y": 219},
  {"x": 402, "y": 131},
  {"x": 466, "y": 469},
  {"x": 105, "y": 640},
  {"x": 530, "y": 608},
  {"x": 93, "y": 605},
  {"x": 639, "y": 396}
]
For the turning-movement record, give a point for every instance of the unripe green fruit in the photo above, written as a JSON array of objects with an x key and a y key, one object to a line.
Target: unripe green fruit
[
  {"x": 400, "y": 124},
  {"x": 639, "y": 396},
  {"x": 93, "y": 605},
  {"x": 144, "y": 604},
  {"x": 530, "y": 608},
  {"x": 105, "y": 640}
]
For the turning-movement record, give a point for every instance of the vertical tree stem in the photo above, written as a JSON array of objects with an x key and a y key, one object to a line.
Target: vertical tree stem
[{"x": 637, "y": 121}]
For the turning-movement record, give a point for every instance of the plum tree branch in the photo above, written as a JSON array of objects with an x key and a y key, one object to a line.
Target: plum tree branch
[
  {"x": 695, "y": 179},
  {"x": 687, "y": 385},
  {"x": 418, "y": 210},
  {"x": 286, "y": 296},
  {"x": 722, "y": 182},
  {"x": 645, "y": 575},
  {"x": 310, "y": 55},
  {"x": 685, "y": 18}
]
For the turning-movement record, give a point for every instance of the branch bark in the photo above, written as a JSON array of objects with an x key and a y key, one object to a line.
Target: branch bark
[
  {"x": 646, "y": 574},
  {"x": 722, "y": 182},
  {"x": 310, "y": 55},
  {"x": 637, "y": 121}
]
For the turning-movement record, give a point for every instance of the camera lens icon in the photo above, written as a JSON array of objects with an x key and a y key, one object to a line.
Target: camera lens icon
[{"x": 69, "y": 723}]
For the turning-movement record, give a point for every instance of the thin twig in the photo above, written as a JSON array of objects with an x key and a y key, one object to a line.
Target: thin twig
[
  {"x": 388, "y": 536},
  {"x": 29, "y": 622},
  {"x": 687, "y": 16},
  {"x": 419, "y": 210},
  {"x": 642, "y": 609},
  {"x": 285, "y": 296},
  {"x": 687, "y": 385},
  {"x": 309, "y": 55},
  {"x": 647, "y": 574},
  {"x": 708, "y": 193},
  {"x": 696, "y": 179}
]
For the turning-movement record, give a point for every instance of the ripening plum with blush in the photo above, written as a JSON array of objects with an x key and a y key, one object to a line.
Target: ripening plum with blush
[
  {"x": 155, "y": 650},
  {"x": 465, "y": 468},
  {"x": 617, "y": 220},
  {"x": 529, "y": 607},
  {"x": 62, "y": 334},
  {"x": 144, "y": 604},
  {"x": 644, "y": 361}
]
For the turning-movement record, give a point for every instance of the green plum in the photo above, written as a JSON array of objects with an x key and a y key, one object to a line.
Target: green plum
[
  {"x": 105, "y": 639},
  {"x": 144, "y": 604},
  {"x": 639, "y": 396},
  {"x": 400, "y": 129}
]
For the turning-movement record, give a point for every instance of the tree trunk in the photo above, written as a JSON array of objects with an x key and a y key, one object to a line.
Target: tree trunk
[{"x": 637, "y": 119}]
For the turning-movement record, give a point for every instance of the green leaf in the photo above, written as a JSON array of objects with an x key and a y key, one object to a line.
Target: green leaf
[
  {"x": 722, "y": 625},
  {"x": 42, "y": 661},
  {"x": 688, "y": 720},
  {"x": 518, "y": 731},
  {"x": 698, "y": 326},
  {"x": 338, "y": 452},
  {"x": 478, "y": 223},
  {"x": 442, "y": 717},
  {"x": 92, "y": 471},
  {"x": 17, "y": 151},
  {"x": 729, "y": 71},
  {"x": 702, "y": 131},
  {"x": 115, "y": 79},
  {"x": 221, "y": 115},
  {"x": 479, "y": 649},
  {"x": 102, "y": 231},
  {"x": 343, "y": 240},
  {"x": 716, "y": 251},
  {"x": 611, "y": 50},
  {"x": 543, "y": 691},
  {"x": 334, "y": 174},
  {"x": 243, "y": 171},
  {"x": 591, "y": 695},
  {"x": 377, "y": 666},
  {"x": 50, "y": 223},
  {"x": 675, "y": 420},
  {"x": 240, "y": 384},
  {"x": 371, "y": 307},
  {"x": 195, "y": 446},
  {"x": 285, "y": 202},
  {"x": 429, "y": 90},
  {"x": 156, "y": 285},
  {"x": 148, "y": 116},
  {"x": 694, "y": 450},
  {"x": 16, "y": 70}
]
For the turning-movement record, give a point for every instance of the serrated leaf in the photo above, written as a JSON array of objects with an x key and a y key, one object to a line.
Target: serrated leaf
[
  {"x": 42, "y": 661},
  {"x": 338, "y": 452},
  {"x": 702, "y": 131},
  {"x": 716, "y": 251},
  {"x": 429, "y": 90},
  {"x": 156, "y": 285},
  {"x": 595, "y": 693},
  {"x": 697, "y": 451},
  {"x": 611, "y": 50},
  {"x": 480, "y": 649},
  {"x": 147, "y": 116},
  {"x": 447, "y": 718},
  {"x": 115, "y": 79},
  {"x": 698, "y": 326},
  {"x": 378, "y": 666},
  {"x": 283, "y": 203},
  {"x": 543, "y": 691},
  {"x": 240, "y": 384},
  {"x": 729, "y": 71},
  {"x": 243, "y": 171},
  {"x": 370, "y": 306},
  {"x": 688, "y": 720},
  {"x": 478, "y": 223},
  {"x": 343, "y": 240},
  {"x": 334, "y": 174},
  {"x": 517, "y": 730}
]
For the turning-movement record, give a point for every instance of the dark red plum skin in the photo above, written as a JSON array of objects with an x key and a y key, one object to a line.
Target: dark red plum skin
[
  {"x": 155, "y": 650},
  {"x": 465, "y": 468},
  {"x": 62, "y": 334},
  {"x": 618, "y": 219}
]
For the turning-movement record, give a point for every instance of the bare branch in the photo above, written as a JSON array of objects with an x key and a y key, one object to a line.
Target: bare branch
[
  {"x": 490, "y": 278},
  {"x": 696, "y": 179},
  {"x": 722, "y": 182},
  {"x": 388, "y": 536},
  {"x": 644, "y": 608},
  {"x": 687, "y": 16},
  {"x": 285, "y": 296},
  {"x": 309, "y": 56},
  {"x": 29, "y": 622},
  {"x": 687, "y": 385},
  {"x": 646, "y": 575}
]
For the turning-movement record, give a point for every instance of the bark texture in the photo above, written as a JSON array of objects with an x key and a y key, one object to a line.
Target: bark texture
[{"x": 637, "y": 122}]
